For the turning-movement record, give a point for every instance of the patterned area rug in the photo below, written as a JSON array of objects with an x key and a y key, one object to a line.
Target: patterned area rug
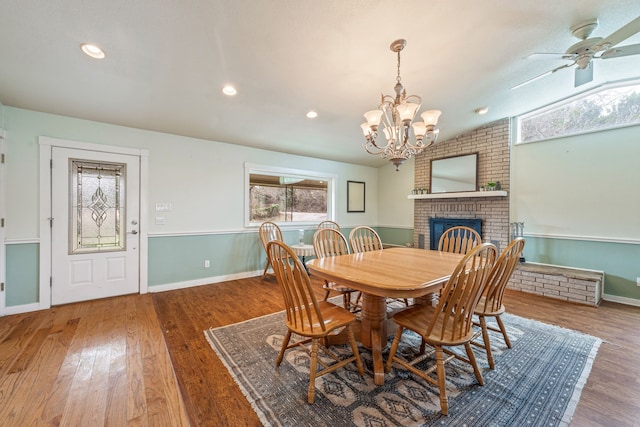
[{"x": 536, "y": 383}]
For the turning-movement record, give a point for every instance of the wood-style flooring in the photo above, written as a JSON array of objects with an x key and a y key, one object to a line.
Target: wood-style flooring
[{"x": 142, "y": 360}]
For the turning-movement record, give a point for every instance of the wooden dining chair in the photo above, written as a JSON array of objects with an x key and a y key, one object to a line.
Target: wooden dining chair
[
  {"x": 364, "y": 239},
  {"x": 459, "y": 240},
  {"x": 268, "y": 231},
  {"x": 490, "y": 304},
  {"x": 448, "y": 324},
  {"x": 309, "y": 318},
  {"x": 329, "y": 224},
  {"x": 331, "y": 242}
]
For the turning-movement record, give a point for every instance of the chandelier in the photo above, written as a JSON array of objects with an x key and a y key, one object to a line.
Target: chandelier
[{"x": 397, "y": 115}]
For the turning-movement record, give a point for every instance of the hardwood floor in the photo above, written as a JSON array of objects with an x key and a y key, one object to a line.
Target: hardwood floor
[
  {"x": 105, "y": 362},
  {"x": 95, "y": 363}
]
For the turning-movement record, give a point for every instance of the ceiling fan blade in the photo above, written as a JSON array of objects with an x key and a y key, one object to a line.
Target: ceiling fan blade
[
  {"x": 616, "y": 52},
  {"x": 622, "y": 34},
  {"x": 548, "y": 55},
  {"x": 526, "y": 82},
  {"x": 583, "y": 75}
]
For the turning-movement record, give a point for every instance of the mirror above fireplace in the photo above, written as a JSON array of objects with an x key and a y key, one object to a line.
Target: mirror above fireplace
[{"x": 454, "y": 174}]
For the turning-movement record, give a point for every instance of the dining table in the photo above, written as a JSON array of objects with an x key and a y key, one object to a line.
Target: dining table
[{"x": 397, "y": 272}]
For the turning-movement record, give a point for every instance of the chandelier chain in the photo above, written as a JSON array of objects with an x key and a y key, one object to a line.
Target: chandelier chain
[{"x": 398, "y": 78}]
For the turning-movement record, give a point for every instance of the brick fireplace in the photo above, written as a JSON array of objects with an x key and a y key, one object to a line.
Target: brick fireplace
[{"x": 491, "y": 142}]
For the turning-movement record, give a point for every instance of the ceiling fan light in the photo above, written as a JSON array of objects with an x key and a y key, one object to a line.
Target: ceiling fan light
[{"x": 431, "y": 117}]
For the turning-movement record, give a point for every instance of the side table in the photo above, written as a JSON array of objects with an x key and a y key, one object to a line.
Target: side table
[{"x": 303, "y": 251}]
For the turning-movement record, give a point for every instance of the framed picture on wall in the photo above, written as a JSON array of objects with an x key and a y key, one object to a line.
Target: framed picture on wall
[{"x": 355, "y": 196}]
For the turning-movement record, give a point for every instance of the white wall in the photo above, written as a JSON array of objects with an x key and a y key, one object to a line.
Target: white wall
[
  {"x": 203, "y": 180},
  {"x": 394, "y": 208},
  {"x": 585, "y": 186}
]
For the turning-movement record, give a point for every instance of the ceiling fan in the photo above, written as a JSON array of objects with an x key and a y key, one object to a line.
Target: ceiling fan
[{"x": 587, "y": 49}]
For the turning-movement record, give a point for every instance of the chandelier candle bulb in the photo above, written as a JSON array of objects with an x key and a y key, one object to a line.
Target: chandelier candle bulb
[{"x": 396, "y": 114}]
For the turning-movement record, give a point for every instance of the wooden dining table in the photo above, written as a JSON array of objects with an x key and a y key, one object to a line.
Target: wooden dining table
[{"x": 397, "y": 272}]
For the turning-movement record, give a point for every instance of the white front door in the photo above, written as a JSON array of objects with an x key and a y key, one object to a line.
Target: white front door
[{"x": 95, "y": 206}]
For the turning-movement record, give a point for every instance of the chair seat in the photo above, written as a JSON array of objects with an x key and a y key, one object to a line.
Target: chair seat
[
  {"x": 417, "y": 319},
  {"x": 481, "y": 310},
  {"x": 333, "y": 316}
]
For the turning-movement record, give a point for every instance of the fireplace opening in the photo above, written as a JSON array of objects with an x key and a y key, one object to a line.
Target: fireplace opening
[{"x": 437, "y": 226}]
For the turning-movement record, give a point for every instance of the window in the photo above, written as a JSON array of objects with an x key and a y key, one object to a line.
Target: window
[
  {"x": 97, "y": 206},
  {"x": 287, "y": 196},
  {"x": 606, "y": 107}
]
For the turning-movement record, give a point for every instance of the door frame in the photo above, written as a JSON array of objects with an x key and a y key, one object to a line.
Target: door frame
[
  {"x": 46, "y": 147},
  {"x": 3, "y": 230}
]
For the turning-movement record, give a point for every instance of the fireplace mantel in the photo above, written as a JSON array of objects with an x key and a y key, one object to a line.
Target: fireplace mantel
[{"x": 468, "y": 194}]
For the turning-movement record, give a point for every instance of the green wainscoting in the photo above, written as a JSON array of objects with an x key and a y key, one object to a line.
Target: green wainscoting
[
  {"x": 619, "y": 261},
  {"x": 22, "y": 274},
  {"x": 396, "y": 236},
  {"x": 175, "y": 259}
]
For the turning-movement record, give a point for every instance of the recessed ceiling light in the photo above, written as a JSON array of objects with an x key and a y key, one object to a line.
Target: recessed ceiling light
[
  {"x": 482, "y": 110},
  {"x": 312, "y": 114},
  {"x": 92, "y": 50},
  {"x": 229, "y": 90}
]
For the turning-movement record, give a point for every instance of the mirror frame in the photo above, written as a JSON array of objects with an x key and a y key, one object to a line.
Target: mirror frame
[{"x": 460, "y": 189}]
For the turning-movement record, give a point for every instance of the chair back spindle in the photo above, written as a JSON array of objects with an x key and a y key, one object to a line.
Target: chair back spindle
[
  {"x": 459, "y": 240},
  {"x": 268, "y": 232},
  {"x": 454, "y": 313},
  {"x": 329, "y": 224},
  {"x": 329, "y": 242},
  {"x": 364, "y": 239},
  {"x": 301, "y": 305},
  {"x": 500, "y": 276}
]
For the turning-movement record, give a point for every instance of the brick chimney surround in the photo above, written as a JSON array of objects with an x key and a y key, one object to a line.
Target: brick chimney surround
[{"x": 491, "y": 142}]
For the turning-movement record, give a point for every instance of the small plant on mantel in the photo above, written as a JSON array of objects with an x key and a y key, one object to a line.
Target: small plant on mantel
[{"x": 491, "y": 186}]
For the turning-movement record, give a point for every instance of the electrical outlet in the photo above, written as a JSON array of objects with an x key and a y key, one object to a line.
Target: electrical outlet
[{"x": 207, "y": 264}]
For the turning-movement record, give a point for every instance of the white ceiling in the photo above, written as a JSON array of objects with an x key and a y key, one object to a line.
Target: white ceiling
[{"x": 167, "y": 61}]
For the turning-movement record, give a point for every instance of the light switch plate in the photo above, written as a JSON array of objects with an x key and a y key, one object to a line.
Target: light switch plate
[{"x": 163, "y": 207}]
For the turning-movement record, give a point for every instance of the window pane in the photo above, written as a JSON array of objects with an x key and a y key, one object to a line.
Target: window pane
[
  {"x": 603, "y": 109},
  {"x": 287, "y": 198},
  {"x": 97, "y": 207}
]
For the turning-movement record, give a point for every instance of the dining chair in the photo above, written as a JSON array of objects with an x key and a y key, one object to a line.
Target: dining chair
[
  {"x": 309, "y": 318},
  {"x": 490, "y": 304},
  {"x": 364, "y": 239},
  {"x": 331, "y": 242},
  {"x": 459, "y": 240},
  {"x": 449, "y": 324},
  {"x": 329, "y": 224},
  {"x": 268, "y": 231}
]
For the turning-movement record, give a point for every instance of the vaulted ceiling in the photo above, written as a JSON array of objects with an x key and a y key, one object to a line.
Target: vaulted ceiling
[{"x": 167, "y": 61}]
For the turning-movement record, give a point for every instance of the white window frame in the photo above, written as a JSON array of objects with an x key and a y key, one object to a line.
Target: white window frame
[{"x": 250, "y": 168}]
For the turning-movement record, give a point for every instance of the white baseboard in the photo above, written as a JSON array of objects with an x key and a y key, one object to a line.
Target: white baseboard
[
  {"x": 203, "y": 281},
  {"x": 622, "y": 300}
]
